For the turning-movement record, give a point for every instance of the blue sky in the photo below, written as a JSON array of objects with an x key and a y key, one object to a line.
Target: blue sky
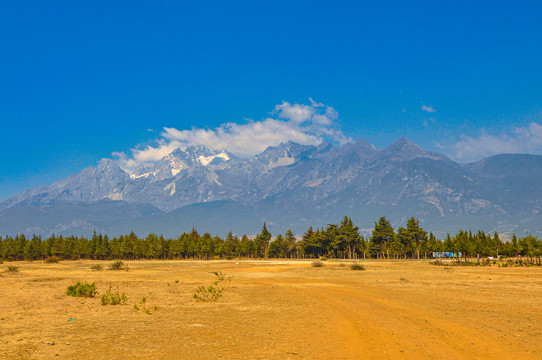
[{"x": 83, "y": 80}]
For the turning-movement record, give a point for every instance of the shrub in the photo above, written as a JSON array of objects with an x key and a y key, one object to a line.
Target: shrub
[
  {"x": 80, "y": 289},
  {"x": 118, "y": 265},
  {"x": 212, "y": 292},
  {"x": 13, "y": 269},
  {"x": 143, "y": 304},
  {"x": 323, "y": 258},
  {"x": 317, "y": 263},
  {"x": 357, "y": 266},
  {"x": 220, "y": 276},
  {"x": 1, "y": 261},
  {"x": 52, "y": 260},
  {"x": 209, "y": 293},
  {"x": 113, "y": 298},
  {"x": 97, "y": 267}
]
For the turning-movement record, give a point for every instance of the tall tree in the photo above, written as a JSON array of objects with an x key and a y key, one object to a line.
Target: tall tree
[
  {"x": 292, "y": 244},
  {"x": 262, "y": 241},
  {"x": 416, "y": 234},
  {"x": 383, "y": 233}
]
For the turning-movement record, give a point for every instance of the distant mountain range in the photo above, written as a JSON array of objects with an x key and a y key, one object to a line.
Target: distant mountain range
[{"x": 288, "y": 186}]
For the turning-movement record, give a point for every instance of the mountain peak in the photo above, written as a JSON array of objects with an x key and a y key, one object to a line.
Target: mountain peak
[
  {"x": 402, "y": 142},
  {"x": 403, "y": 178}
]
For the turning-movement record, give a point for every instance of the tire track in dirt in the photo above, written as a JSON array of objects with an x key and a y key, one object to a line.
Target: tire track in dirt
[{"x": 376, "y": 327}]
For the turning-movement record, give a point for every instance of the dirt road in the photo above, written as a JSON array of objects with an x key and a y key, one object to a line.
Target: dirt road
[{"x": 273, "y": 310}]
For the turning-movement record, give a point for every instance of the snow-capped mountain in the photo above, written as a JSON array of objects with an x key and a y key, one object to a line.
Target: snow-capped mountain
[{"x": 290, "y": 185}]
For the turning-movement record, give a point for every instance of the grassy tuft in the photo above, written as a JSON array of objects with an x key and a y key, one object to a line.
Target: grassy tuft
[
  {"x": 357, "y": 266},
  {"x": 113, "y": 298},
  {"x": 118, "y": 265},
  {"x": 13, "y": 269},
  {"x": 52, "y": 260},
  {"x": 317, "y": 263},
  {"x": 80, "y": 289},
  {"x": 97, "y": 267}
]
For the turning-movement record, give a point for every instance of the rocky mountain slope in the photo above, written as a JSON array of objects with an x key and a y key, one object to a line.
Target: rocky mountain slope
[{"x": 289, "y": 186}]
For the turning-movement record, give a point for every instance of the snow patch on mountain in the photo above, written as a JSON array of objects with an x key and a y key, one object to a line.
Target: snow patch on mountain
[
  {"x": 205, "y": 160},
  {"x": 171, "y": 188}
]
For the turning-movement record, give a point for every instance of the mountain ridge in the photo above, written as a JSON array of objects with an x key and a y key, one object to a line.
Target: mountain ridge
[{"x": 294, "y": 185}]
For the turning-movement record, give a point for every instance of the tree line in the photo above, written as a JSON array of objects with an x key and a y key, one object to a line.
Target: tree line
[{"x": 341, "y": 240}]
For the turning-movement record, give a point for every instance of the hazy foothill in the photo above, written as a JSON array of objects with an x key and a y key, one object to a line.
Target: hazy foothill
[{"x": 288, "y": 186}]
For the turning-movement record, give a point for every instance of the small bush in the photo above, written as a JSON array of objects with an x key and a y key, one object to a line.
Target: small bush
[
  {"x": 97, "y": 267},
  {"x": 221, "y": 276},
  {"x": 113, "y": 298},
  {"x": 13, "y": 269},
  {"x": 506, "y": 263},
  {"x": 1, "y": 261},
  {"x": 52, "y": 260},
  {"x": 80, "y": 289},
  {"x": 143, "y": 304},
  {"x": 118, "y": 265},
  {"x": 317, "y": 263},
  {"x": 208, "y": 293},
  {"x": 357, "y": 266},
  {"x": 323, "y": 258},
  {"x": 212, "y": 292}
]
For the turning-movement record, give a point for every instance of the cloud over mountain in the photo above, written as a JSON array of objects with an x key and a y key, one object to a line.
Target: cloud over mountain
[
  {"x": 526, "y": 139},
  {"x": 307, "y": 124}
]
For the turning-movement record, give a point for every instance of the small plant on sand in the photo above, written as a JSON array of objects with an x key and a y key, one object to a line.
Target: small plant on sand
[
  {"x": 13, "y": 269},
  {"x": 221, "y": 276},
  {"x": 143, "y": 306},
  {"x": 317, "y": 263},
  {"x": 356, "y": 266},
  {"x": 323, "y": 258},
  {"x": 118, "y": 265},
  {"x": 113, "y": 298},
  {"x": 173, "y": 287},
  {"x": 52, "y": 260},
  {"x": 212, "y": 292},
  {"x": 81, "y": 289},
  {"x": 97, "y": 267}
]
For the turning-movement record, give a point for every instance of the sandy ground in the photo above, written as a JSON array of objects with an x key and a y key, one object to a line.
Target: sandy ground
[{"x": 274, "y": 310}]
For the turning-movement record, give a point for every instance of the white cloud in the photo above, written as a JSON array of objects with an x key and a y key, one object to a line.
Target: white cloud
[
  {"x": 304, "y": 124},
  {"x": 428, "y": 108},
  {"x": 526, "y": 139}
]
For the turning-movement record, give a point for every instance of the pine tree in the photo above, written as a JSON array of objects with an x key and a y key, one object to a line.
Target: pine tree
[
  {"x": 383, "y": 233},
  {"x": 416, "y": 234},
  {"x": 262, "y": 241}
]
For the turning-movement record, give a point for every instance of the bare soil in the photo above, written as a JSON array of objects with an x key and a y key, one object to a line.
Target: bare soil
[{"x": 273, "y": 310}]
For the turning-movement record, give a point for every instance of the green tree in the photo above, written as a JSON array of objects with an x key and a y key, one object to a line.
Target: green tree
[
  {"x": 293, "y": 249},
  {"x": 278, "y": 248},
  {"x": 261, "y": 242},
  {"x": 416, "y": 234},
  {"x": 383, "y": 234}
]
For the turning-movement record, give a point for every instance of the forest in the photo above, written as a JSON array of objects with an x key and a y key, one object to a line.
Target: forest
[{"x": 341, "y": 240}]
